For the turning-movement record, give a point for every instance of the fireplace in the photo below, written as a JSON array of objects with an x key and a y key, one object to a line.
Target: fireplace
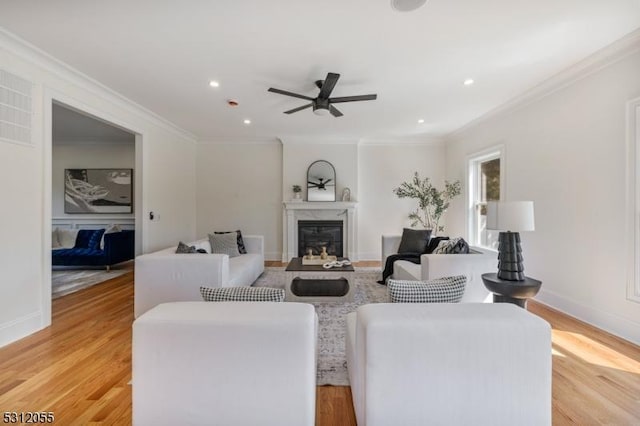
[
  {"x": 315, "y": 234},
  {"x": 338, "y": 211}
]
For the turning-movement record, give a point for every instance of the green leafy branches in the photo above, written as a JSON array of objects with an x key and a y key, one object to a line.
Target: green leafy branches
[{"x": 432, "y": 203}]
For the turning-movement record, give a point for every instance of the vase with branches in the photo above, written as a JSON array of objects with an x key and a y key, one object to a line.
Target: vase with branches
[{"x": 432, "y": 203}]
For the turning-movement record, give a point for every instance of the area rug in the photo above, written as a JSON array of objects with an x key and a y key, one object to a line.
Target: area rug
[
  {"x": 66, "y": 280},
  {"x": 332, "y": 360}
]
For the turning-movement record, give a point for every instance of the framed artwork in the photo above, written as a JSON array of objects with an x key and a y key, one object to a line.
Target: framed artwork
[{"x": 89, "y": 191}]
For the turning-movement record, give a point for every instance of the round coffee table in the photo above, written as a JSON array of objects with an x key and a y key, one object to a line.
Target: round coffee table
[{"x": 506, "y": 291}]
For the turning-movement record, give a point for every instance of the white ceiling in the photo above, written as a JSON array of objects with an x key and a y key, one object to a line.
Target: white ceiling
[
  {"x": 162, "y": 53},
  {"x": 72, "y": 126}
]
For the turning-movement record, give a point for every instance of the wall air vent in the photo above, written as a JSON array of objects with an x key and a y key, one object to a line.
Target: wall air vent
[{"x": 15, "y": 109}]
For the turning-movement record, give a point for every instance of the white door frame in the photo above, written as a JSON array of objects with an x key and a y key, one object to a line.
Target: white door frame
[
  {"x": 49, "y": 97},
  {"x": 633, "y": 200}
]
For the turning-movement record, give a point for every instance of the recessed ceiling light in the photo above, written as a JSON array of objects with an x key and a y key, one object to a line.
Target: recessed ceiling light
[
  {"x": 247, "y": 121},
  {"x": 468, "y": 82},
  {"x": 406, "y": 5},
  {"x": 421, "y": 121},
  {"x": 214, "y": 83}
]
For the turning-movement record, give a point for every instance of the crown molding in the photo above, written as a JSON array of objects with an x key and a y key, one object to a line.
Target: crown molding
[
  {"x": 238, "y": 141},
  {"x": 314, "y": 140},
  {"x": 85, "y": 141},
  {"x": 34, "y": 55},
  {"x": 406, "y": 141},
  {"x": 608, "y": 55}
]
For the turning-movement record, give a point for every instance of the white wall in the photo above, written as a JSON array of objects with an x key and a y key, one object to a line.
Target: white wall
[
  {"x": 168, "y": 182},
  {"x": 242, "y": 185},
  {"x": 381, "y": 168},
  {"x": 239, "y": 187},
  {"x": 566, "y": 152},
  {"x": 78, "y": 155}
]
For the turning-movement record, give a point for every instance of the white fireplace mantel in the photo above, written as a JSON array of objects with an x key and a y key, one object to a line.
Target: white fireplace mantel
[{"x": 319, "y": 210}]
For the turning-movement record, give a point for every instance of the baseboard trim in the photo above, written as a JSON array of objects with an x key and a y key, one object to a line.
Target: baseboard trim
[
  {"x": 20, "y": 327},
  {"x": 614, "y": 324},
  {"x": 370, "y": 256},
  {"x": 273, "y": 256}
]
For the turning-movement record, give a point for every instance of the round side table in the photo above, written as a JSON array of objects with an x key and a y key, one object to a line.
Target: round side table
[{"x": 516, "y": 292}]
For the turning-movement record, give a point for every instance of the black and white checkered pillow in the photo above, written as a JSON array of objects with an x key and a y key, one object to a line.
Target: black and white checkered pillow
[
  {"x": 439, "y": 290},
  {"x": 242, "y": 294}
]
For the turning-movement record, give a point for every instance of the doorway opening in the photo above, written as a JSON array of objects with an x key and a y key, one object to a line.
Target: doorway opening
[{"x": 94, "y": 164}]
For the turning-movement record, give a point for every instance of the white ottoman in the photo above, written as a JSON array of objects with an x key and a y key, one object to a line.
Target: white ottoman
[
  {"x": 449, "y": 364},
  {"x": 225, "y": 363}
]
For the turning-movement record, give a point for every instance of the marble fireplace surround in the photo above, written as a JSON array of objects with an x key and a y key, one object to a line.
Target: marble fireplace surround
[{"x": 318, "y": 210}]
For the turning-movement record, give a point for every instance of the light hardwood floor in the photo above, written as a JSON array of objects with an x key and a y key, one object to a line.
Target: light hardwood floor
[{"x": 80, "y": 367}]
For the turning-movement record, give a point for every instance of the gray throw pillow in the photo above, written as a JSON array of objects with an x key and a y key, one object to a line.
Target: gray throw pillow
[
  {"x": 224, "y": 244},
  {"x": 242, "y": 294},
  {"x": 183, "y": 248},
  {"x": 241, "y": 248},
  {"x": 414, "y": 240},
  {"x": 439, "y": 290}
]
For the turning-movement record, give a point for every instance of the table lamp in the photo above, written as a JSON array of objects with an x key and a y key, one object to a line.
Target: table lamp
[{"x": 510, "y": 218}]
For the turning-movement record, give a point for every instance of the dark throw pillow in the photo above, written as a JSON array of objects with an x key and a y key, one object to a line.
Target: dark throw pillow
[
  {"x": 439, "y": 290},
  {"x": 89, "y": 238},
  {"x": 185, "y": 249},
  {"x": 241, "y": 247},
  {"x": 433, "y": 243},
  {"x": 414, "y": 240}
]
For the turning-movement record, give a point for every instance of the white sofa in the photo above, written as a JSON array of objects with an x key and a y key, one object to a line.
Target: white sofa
[
  {"x": 449, "y": 364},
  {"x": 225, "y": 363},
  {"x": 165, "y": 276},
  {"x": 473, "y": 265}
]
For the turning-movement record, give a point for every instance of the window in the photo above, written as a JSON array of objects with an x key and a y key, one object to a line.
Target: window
[{"x": 485, "y": 183}]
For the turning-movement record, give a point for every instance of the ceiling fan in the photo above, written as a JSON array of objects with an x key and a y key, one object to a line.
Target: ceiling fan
[{"x": 323, "y": 104}]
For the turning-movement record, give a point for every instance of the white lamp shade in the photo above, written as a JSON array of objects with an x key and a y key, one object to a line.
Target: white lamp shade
[{"x": 516, "y": 216}]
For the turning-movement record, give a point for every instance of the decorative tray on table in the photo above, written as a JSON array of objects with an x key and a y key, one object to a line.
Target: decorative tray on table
[{"x": 316, "y": 260}]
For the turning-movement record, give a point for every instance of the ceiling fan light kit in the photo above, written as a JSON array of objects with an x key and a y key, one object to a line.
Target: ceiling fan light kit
[{"x": 322, "y": 104}]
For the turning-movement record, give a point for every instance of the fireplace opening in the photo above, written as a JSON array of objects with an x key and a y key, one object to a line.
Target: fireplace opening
[{"x": 315, "y": 234}]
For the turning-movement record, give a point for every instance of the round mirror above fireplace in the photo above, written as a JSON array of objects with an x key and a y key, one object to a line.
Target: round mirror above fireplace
[{"x": 321, "y": 181}]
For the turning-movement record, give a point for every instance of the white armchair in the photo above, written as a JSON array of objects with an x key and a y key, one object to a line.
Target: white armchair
[{"x": 472, "y": 265}]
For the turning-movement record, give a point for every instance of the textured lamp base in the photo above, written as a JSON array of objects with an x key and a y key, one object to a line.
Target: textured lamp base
[{"x": 510, "y": 260}]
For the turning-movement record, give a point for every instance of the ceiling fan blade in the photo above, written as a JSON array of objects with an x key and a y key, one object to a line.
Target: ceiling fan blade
[
  {"x": 329, "y": 180},
  {"x": 312, "y": 183},
  {"x": 353, "y": 98},
  {"x": 328, "y": 85},
  {"x": 291, "y": 111},
  {"x": 335, "y": 112},
  {"x": 284, "y": 92}
]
